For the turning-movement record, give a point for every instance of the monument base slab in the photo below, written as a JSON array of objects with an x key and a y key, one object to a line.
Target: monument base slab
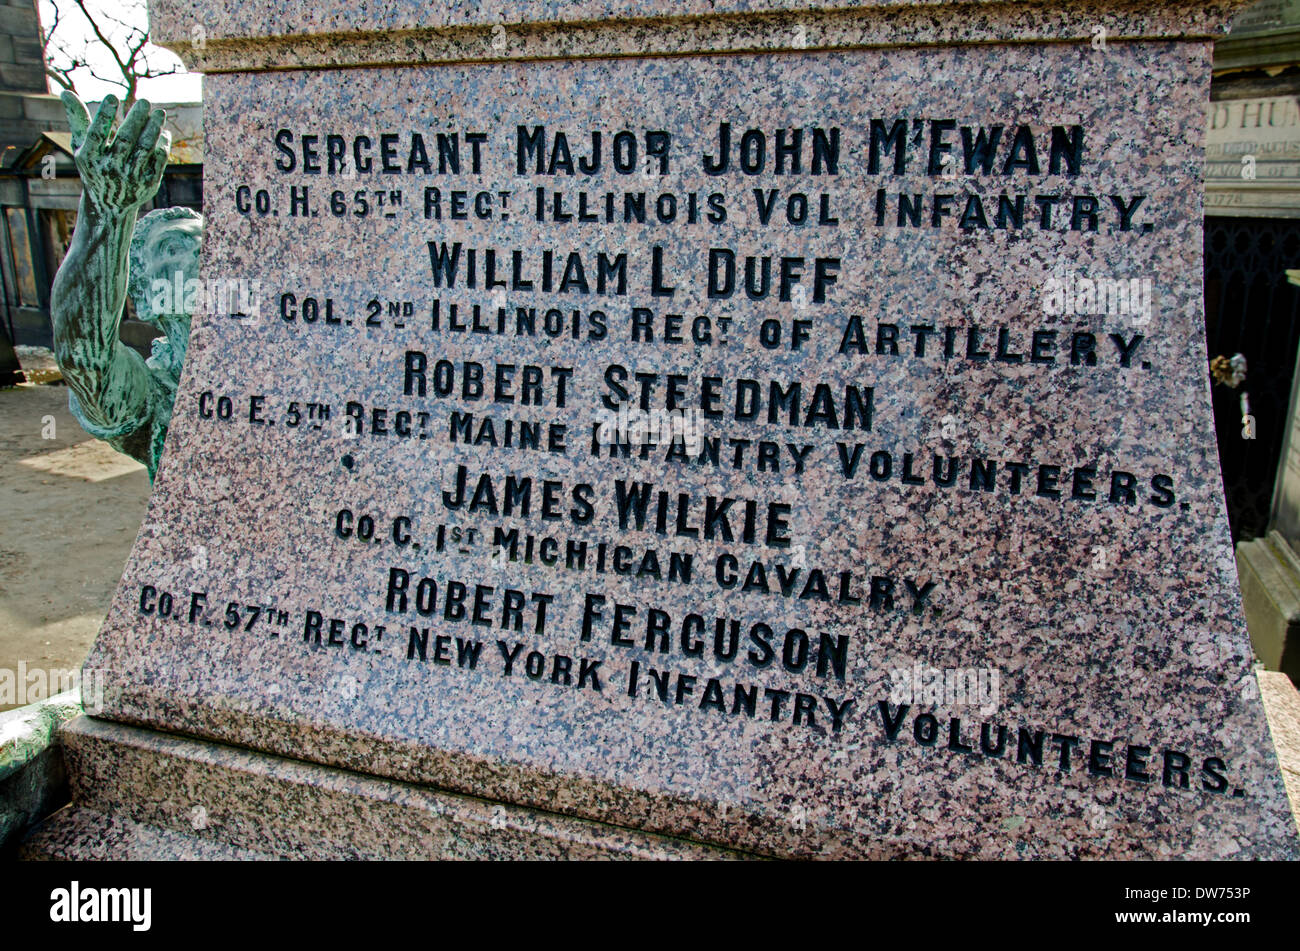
[{"x": 144, "y": 794}]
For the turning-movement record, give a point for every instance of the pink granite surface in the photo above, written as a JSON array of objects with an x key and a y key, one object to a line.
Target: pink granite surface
[
  {"x": 174, "y": 21},
  {"x": 1113, "y": 628},
  {"x": 295, "y": 34},
  {"x": 140, "y": 794}
]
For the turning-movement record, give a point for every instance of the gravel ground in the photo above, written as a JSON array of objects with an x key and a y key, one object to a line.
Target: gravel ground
[{"x": 70, "y": 508}]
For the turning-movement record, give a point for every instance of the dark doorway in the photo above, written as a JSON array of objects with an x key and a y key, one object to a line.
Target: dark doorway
[{"x": 1251, "y": 309}]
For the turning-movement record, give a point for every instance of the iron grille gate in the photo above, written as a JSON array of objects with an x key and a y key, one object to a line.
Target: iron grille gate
[{"x": 1251, "y": 309}]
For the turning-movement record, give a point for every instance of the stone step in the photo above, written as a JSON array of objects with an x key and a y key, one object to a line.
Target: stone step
[
  {"x": 81, "y": 834},
  {"x": 143, "y": 794}
]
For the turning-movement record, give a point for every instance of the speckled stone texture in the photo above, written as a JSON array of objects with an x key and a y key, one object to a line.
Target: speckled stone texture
[
  {"x": 1111, "y": 621},
  {"x": 279, "y": 34},
  {"x": 140, "y": 794}
]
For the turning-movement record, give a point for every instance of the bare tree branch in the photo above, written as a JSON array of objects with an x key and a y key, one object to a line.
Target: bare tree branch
[
  {"x": 131, "y": 57},
  {"x": 47, "y": 33},
  {"x": 59, "y": 78}
]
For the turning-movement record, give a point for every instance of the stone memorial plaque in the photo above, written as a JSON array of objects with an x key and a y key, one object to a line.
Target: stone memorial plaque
[
  {"x": 808, "y": 452},
  {"x": 1252, "y": 157}
]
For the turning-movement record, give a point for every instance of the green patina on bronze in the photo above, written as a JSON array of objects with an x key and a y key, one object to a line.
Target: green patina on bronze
[{"x": 117, "y": 395}]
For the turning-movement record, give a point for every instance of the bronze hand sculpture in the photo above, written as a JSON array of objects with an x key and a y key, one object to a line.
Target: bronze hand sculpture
[{"x": 116, "y": 395}]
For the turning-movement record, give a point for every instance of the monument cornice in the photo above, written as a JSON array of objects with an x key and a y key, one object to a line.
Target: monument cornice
[{"x": 265, "y": 34}]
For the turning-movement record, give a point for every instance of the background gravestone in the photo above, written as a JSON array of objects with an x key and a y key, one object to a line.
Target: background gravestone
[{"x": 879, "y": 249}]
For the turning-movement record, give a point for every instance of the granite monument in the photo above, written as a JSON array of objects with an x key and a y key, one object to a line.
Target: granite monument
[{"x": 732, "y": 428}]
